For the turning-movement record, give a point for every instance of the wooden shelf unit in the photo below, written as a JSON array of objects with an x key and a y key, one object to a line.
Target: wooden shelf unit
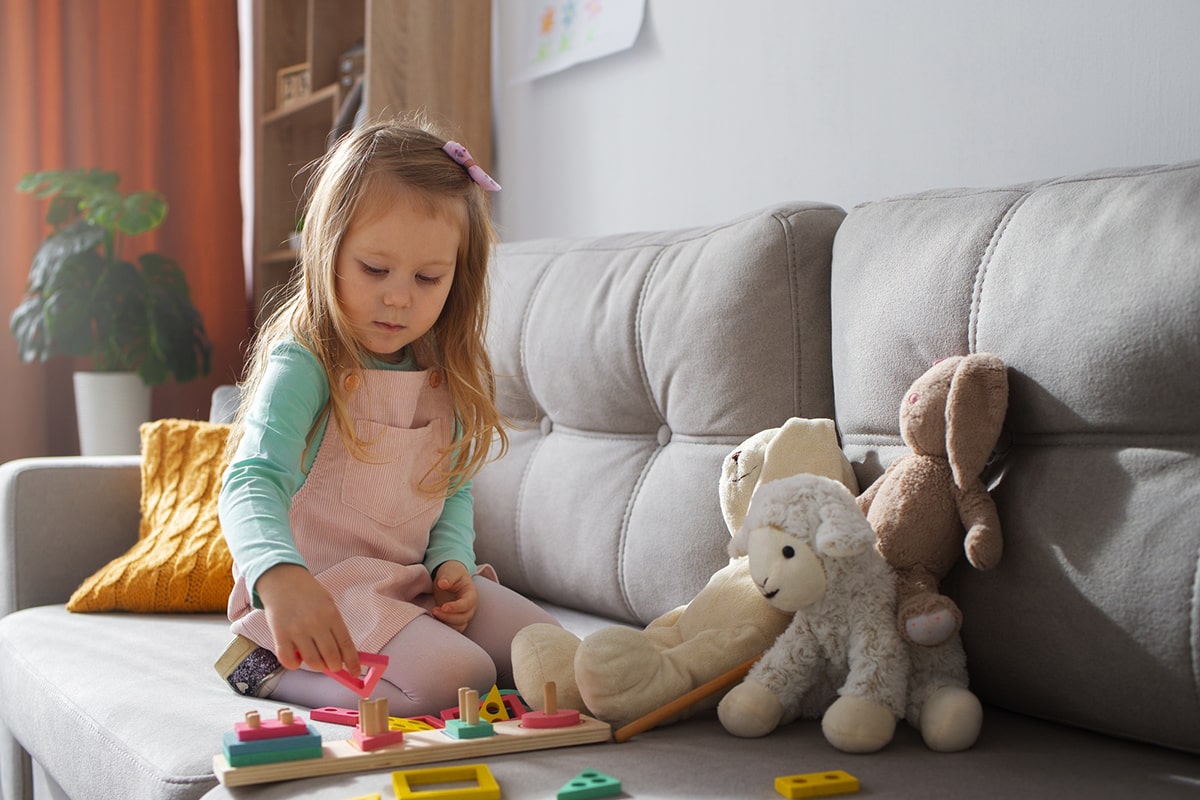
[{"x": 433, "y": 55}]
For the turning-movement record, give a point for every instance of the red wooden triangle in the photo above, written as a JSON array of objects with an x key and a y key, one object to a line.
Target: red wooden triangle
[{"x": 375, "y": 665}]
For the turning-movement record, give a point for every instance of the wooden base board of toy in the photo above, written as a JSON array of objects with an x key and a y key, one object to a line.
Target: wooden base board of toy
[{"x": 421, "y": 747}]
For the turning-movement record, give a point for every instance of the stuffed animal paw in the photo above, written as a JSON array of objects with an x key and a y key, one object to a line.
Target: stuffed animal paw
[
  {"x": 750, "y": 710},
  {"x": 929, "y": 618},
  {"x": 858, "y": 725},
  {"x": 541, "y": 654},
  {"x": 623, "y": 674}
]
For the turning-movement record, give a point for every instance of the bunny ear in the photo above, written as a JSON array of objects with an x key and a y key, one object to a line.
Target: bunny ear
[
  {"x": 843, "y": 530},
  {"x": 975, "y": 410}
]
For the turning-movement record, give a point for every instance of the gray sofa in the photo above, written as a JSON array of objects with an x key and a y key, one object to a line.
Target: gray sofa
[{"x": 633, "y": 365}]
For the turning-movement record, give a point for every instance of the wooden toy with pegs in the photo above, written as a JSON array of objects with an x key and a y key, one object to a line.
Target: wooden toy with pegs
[
  {"x": 373, "y": 731},
  {"x": 496, "y": 706},
  {"x": 468, "y": 725},
  {"x": 285, "y": 724},
  {"x": 551, "y": 716},
  {"x": 566, "y": 728},
  {"x": 255, "y": 742}
]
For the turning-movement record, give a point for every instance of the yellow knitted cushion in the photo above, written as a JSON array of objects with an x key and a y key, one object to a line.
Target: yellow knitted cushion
[{"x": 180, "y": 562}]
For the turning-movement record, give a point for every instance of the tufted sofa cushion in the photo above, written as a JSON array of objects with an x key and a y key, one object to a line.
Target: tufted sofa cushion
[
  {"x": 632, "y": 365},
  {"x": 1089, "y": 289}
]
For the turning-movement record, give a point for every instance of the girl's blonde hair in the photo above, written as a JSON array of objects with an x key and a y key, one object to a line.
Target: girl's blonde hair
[{"x": 403, "y": 153}]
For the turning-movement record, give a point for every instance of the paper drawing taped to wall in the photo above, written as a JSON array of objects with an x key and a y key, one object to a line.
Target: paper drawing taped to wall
[{"x": 551, "y": 36}]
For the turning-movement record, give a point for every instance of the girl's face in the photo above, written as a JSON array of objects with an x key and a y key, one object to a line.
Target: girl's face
[{"x": 394, "y": 270}]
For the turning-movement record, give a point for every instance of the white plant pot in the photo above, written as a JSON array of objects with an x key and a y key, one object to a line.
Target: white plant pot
[{"x": 109, "y": 408}]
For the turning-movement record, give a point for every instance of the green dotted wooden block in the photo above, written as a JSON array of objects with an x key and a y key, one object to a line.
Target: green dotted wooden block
[{"x": 590, "y": 784}]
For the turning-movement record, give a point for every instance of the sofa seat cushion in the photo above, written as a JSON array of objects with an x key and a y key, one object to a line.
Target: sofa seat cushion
[
  {"x": 632, "y": 365},
  {"x": 1089, "y": 289},
  {"x": 116, "y": 704}
]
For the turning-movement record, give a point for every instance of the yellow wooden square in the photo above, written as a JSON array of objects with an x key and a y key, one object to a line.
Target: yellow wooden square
[{"x": 486, "y": 787}]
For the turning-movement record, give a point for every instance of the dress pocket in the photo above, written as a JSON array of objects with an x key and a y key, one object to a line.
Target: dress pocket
[{"x": 386, "y": 486}]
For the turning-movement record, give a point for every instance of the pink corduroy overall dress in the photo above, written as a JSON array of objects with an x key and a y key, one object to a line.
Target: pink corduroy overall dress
[{"x": 363, "y": 526}]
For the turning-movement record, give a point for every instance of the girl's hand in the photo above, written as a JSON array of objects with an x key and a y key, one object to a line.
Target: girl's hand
[
  {"x": 307, "y": 625},
  {"x": 455, "y": 594}
]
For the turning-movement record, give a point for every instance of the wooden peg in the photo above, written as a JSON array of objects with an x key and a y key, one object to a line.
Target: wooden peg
[
  {"x": 252, "y": 719},
  {"x": 550, "y": 716},
  {"x": 372, "y": 716},
  {"x": 471, "y": 717},
  {"x": 462, "y": 703}
]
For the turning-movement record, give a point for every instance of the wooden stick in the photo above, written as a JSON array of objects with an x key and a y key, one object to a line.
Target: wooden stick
[{"x": 702, "y": 691}]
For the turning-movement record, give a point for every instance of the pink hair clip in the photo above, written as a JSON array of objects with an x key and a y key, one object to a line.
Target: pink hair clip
[{"x": 460, "y": 154}]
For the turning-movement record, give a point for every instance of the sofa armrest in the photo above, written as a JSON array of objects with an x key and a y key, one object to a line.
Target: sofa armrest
[{"x": 61, "y": 519}]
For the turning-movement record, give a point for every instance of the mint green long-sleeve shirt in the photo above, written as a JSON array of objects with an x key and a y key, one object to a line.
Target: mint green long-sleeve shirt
[{"x": 275, "y": 456}]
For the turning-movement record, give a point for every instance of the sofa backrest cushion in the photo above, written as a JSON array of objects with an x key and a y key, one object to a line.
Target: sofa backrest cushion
[
  {"x": 1089, "y": 289},
  {"x": 632, "y": 365}
]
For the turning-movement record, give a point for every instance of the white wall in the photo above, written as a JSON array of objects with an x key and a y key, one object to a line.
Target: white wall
[{"x": 725, "y": 106}]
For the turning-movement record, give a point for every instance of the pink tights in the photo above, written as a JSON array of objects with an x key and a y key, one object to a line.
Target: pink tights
[{"x": 428, "y": 662}]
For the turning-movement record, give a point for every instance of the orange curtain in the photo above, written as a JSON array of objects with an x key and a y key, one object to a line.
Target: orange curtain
[{"x": 148, "y": 89}]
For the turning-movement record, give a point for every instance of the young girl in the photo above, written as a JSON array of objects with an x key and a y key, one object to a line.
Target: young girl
[{"x": 368, "y": 407}]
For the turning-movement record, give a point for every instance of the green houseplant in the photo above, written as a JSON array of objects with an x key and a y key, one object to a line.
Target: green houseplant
[{"x": 83, "y": 298}]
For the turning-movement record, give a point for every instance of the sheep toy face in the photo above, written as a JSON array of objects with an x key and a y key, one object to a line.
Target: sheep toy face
[
  {"x": 793, "y": 525},
  {"x": 785, "y": 569}
]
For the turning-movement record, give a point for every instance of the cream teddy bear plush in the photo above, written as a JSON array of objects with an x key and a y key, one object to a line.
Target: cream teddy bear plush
[
  {"x": 812, "y": 552},
  {"x": 619, "y": 674}
]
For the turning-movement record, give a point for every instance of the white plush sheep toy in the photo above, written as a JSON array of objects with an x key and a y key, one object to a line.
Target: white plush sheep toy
[{"x": 812, "y": 552}]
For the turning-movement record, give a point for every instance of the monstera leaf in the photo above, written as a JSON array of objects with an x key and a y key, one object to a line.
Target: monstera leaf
[{"x": 83, "y": 299}]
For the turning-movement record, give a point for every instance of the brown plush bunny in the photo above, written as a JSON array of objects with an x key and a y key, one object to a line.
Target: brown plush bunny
[{"x": 925, "y": 502}]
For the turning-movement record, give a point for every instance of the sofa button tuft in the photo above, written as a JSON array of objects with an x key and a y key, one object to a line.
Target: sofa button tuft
[
  {"x": 546, "y": 426},
  {"x": 664, "y": 436}
]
